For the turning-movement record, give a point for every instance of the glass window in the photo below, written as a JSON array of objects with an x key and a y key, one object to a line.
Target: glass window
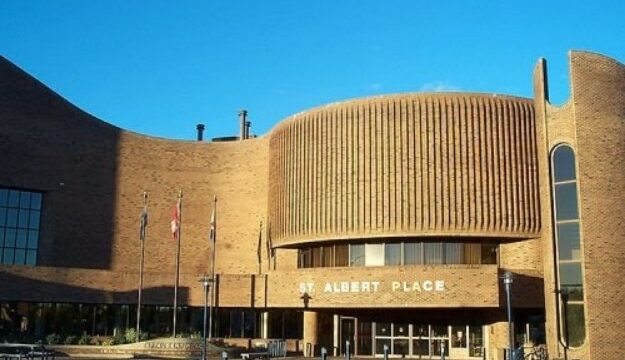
[
  {"x": 22, "y": 219},
  {"x": 575, "y": 321},
  {"x": 18, "y": 222},
  {"x": 14, "y": 198},
  {"x": 4, "y": 196},
  {"x": 440, "y": 345},
  {"x": 9, "y": 237},
  {"x": 341, "y": 256},
  {"x": 303, "y": 258},
  {"x": 420, "y": 331},
  {"x": 11, "y": 218},
  {"x": 571, "y": 274},
  {"x": 400, "y": 347},
  {"x": 489, "y": 253},
  {"x": 383, "y": 329},
  {"x": 364, "y": 338},
  {"x": 31, "y": 257},
  {"x": 389, "y": 254},
  {"x": 357, "y": 255},
  {"x": 568, "y": 241},
  {"x": 439, "y": 331},
  {"x": 328, "y": 256},
  {"x": 20, "y": 239},
  {"x": 400, "y": 330},
  {"x": 564, "y": 164},
  {"x": 316, "y": 257},
  {"x": 7, "y": 257},
  {"x": 380, "y": 343},
  {"x": 374, "y": 254},
  {"x": 392, "y": 254},
  {"x": 412, "y": 253},
  {"x": 24, "y": 199},
  {"x": 458, "y": 336},
  {"x": 566, "y": 201},
  {"x": 35, "y": 201},
  {"x": 568, "y": 245},
  {"x": 420, "y": 347},
  {"x": 454, "y": 253},
  {"x": 33, "y": 222},
  {"x": 433, "y": 253},
  {"x": 476, "y": 344}
]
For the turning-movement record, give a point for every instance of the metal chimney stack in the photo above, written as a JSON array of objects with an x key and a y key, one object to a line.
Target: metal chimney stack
[
  {"x": 200, "y": 132},
  {"x": 242, "y": 122}
]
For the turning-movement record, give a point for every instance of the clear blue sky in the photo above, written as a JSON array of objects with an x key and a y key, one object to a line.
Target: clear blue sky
[{"x": 160, "y": 67}]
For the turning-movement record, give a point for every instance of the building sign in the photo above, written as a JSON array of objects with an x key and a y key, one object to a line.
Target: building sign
[{"x": 339, "y": 287}]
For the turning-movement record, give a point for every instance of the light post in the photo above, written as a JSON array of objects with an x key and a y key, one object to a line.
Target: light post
[
  {"x": 206, "y": 281},
  {"x": 507, "y": 280}
]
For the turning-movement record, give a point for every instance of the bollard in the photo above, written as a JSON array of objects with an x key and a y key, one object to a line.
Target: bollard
[
  {"x": 347, "y": 352},
  {"x": 385, "y": 352},
  {"x": 324, "y": 353},
  {"x": 224, "y": 355}
]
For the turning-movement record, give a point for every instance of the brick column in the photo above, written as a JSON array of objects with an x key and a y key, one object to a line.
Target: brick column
[{"x": 310, "y": 333}]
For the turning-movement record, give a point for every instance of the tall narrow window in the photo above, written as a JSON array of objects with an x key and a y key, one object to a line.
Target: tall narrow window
[
  {"x": 568, "y": 247},
  {"x": 20, "y": 212}
]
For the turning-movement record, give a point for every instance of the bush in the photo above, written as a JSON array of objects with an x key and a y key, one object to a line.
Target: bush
[
  {"x": 53, "y": 339},
  {"x": 84, "y": 339},
  {"x": 130, "y": 336},
  {"x": 144, "y": 336},
  {"x": 71, "y": 340},
  {"x": 118, "y": 339}
]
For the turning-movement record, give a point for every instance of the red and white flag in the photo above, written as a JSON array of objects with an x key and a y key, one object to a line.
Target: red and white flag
[{"x": 175, "y": 221}]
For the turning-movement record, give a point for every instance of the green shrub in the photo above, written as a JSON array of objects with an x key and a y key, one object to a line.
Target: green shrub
[
  {"x": 71, "y": 340},
  {"x": 144, "y": 336},
  {"x": 119, "y": 338},
  {"x": 130, "y": 336},
  {"x": 84, "y": 339},
  {"x": 53, "y": 339}
]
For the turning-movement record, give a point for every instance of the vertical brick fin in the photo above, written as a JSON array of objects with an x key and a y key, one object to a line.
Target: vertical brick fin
[
  {"x": 418, "y": 165},
  {"x": 444, "y": 161},
  {"x": 457, "y": 164},
  {"x": 483, "y": 160}
]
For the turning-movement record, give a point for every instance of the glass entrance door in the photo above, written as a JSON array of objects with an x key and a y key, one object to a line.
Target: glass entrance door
[{"x": 348, "y": 333}]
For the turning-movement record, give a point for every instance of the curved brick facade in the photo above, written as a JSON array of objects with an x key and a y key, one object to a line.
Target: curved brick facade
[{"x": 406, "y": 165}]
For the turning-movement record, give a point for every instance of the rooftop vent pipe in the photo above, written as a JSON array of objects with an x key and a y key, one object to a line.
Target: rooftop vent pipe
[
  {"x": 247, "y": 129},
  {"x": 242, "y": 122},
  {"x": 200, "y": 132}
]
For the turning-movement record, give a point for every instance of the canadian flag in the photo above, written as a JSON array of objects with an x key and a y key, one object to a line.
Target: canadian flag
[{"x": 175, "y": 221}]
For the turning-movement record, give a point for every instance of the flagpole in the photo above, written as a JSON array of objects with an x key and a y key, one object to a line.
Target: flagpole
[
  {"x": 144, "y": 223},
  {"x": 214, "y": 238},
  {"x": 258, "y": 248},
  {"x": 177, "y": 235}
]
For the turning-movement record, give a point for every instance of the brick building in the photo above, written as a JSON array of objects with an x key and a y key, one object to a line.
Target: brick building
[{"x": 383, "y": 221}]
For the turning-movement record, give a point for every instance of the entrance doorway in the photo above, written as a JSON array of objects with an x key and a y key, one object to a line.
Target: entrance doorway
[{"x": 348, "y": 333}]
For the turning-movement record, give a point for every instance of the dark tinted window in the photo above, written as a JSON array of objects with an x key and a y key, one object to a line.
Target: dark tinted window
[{"x": 564, "y": 164}]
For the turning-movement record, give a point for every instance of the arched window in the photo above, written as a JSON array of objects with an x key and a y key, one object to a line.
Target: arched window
[{"x": 568, "y": 253}]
